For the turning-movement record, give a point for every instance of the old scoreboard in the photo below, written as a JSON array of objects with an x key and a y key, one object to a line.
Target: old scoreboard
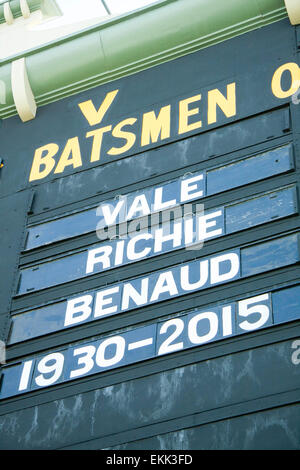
[{"x": 150, "y": 248}]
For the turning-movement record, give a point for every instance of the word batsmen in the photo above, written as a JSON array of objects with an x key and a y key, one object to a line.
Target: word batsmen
[
  {"x": 134, "y": 133},
  {"x": 155, "y": 125},
  {"x": 179, "y": 280}
]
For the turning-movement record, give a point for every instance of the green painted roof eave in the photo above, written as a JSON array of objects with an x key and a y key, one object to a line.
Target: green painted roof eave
[{"x": 133, "y": 42}]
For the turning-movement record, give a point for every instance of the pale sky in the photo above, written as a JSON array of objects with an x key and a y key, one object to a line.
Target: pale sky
[{"x": 78, "y": 10}]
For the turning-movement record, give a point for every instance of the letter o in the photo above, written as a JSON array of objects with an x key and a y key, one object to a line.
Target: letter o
[
  {"x": 294, "y": 70},
  {"x": 212, "y": 318}
]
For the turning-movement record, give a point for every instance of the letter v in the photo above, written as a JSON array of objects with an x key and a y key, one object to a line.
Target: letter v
[{"x": 91, "y": 114}]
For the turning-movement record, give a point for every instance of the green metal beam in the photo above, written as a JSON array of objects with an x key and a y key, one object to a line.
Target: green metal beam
[{"x": 133, "y": 42}]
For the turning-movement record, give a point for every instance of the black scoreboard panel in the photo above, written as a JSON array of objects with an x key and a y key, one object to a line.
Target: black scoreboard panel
[{"x": 185, "y": 334}]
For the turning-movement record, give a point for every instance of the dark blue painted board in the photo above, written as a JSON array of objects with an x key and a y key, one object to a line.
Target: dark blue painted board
[
  {"x": 286, "y": 305},
  {"x": 270, "y": 255},
  {"x": 260, "y": 210},
  {"x": 249, "y": 170},
  {"x": 61, "y": 229},
  {"x": 10, "y": 380},
  {"x": 37, "y": 322}
]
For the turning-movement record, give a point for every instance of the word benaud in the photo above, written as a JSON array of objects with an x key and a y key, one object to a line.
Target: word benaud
[{"x": 134, "y": 133}]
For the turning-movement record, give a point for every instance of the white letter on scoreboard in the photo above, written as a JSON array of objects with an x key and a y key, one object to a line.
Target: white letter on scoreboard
[
  {"x": 81, "y": 306},
  {"x": 189, "y": 190},
  {"x": 215, "y": 276},
  {"x": 104, "y": 253}
]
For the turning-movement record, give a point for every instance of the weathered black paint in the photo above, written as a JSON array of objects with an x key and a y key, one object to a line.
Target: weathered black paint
[
  {"x": 14, "y": 211},
  {"x": 182, "y": 397},
  {"x": 209, "y": 396}
]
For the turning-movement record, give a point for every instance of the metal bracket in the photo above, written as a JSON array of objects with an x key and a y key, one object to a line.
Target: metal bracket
[
  {"x": 24, "y": 9},
  {"x": 8, "y": 16},
  {"x": 293, "y": 9},
  {"x": 22, "y": 92}
]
